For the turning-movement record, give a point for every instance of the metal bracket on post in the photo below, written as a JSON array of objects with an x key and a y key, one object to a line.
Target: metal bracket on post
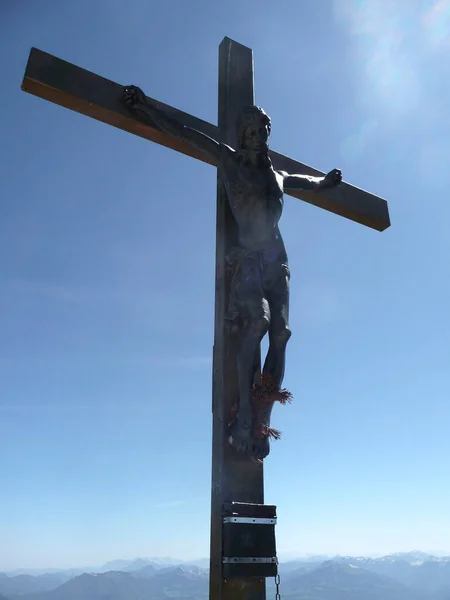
[{"x": 249, "y": 548}]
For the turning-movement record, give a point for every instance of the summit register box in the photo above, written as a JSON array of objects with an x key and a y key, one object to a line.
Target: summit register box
[{"x": 249, "y": 548}]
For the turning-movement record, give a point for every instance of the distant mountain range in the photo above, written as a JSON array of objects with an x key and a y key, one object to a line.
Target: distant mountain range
[
  {"x": 407, "y": 576},
  {"x": 115, "y": 565}
]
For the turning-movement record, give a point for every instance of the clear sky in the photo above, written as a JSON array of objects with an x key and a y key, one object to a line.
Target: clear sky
[{"x": 107, "y": 282}]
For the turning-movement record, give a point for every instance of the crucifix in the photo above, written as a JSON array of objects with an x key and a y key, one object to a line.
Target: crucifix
[{"x": 252, "y": 277}]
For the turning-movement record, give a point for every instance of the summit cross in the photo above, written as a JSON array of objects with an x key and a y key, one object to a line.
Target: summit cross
[{"x": 252, "y": 274}]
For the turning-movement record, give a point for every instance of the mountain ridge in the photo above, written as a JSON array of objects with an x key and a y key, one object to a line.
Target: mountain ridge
[
  {"x": 401, "y": 576},
  {"x": 161, "y": 562}
]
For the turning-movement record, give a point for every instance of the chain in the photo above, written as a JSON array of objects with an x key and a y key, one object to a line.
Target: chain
[{"x": 277, "y": 587}]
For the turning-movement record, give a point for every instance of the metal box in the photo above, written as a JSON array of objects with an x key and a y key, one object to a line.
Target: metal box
[{"x": 249, "y": 548}]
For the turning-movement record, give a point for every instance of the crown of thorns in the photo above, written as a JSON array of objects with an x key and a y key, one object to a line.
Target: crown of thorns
[{"x": 249, "y": 116}]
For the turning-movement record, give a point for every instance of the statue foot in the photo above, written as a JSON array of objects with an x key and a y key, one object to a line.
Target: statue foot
[
  {"x": 250, "y": 432},
  {"x": 243, "y": 441},
  {"x": 241, "y": 435},
  {"x": 250, "y": 440},
  {"x": 260, "y": 448},
  {"x": 262, "y": 433}
]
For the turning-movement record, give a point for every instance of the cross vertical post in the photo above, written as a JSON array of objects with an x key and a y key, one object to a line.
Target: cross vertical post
[{"x": 235, "y": 478}]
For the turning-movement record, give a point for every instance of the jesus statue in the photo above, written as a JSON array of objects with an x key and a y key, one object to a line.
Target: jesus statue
[{"x": 259, "y": 294}]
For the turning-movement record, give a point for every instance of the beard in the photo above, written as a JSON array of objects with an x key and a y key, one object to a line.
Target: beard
[{"x": 260, "y": 156}]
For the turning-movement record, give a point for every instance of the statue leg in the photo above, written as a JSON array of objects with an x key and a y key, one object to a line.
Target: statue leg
[
  {"x": 279, "y": 332},
  {"x": 241, "y": 433},
  {"x": 255, "y": 311},
  {"x": 274, "y": 365}
]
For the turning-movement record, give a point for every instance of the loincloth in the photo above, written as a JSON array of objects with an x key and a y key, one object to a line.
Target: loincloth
[{"x": 253, "y": 274}]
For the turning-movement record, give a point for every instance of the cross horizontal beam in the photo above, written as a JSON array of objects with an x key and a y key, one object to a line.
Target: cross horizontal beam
[{"x": 85, "y": 92}]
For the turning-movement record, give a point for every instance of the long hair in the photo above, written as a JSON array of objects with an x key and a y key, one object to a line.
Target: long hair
[{"x": 249, "y": 116}]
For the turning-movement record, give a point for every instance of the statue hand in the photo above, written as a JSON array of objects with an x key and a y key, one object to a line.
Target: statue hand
[
  {"x": 133, "y": 96},
  {"x": 333, "y": 178}
]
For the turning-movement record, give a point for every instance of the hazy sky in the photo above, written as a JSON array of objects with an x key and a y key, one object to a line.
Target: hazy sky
[{"x": 107, "y": 282}]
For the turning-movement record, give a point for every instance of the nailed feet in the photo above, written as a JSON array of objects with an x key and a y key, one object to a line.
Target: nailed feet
[
  {"x": 241, "y": 434},
  {"x": 250, "y": 433},
  {"x": 246, "y": 439}
]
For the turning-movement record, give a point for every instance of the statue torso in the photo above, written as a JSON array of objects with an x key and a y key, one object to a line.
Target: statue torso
[{"x": 255, "y": 194}]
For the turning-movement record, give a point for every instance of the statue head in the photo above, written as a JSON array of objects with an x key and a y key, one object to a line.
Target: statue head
[{"x": 253, "y": 130}]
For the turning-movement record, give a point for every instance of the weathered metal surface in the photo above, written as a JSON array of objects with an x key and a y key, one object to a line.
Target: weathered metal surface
[
  {"x": 247, "y": 509},
  {"x": 249, "y": 521},
  {"x": 249, "y": 548}
]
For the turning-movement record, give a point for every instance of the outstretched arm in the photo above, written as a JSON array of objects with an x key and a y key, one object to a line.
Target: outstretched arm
[
  {"x": 311, "y": 184},
  {"x": 135, "y": 98}
]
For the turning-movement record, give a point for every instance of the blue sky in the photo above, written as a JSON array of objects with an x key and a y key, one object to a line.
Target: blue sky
[{"x": 106, "y": 286}]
